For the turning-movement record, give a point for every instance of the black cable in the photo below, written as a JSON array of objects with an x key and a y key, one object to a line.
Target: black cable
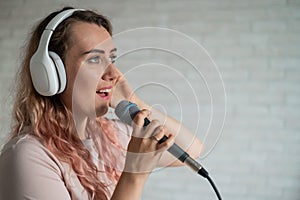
[
  {"x": 205, "y": 174},
  {"x": 214, "y": 187}
]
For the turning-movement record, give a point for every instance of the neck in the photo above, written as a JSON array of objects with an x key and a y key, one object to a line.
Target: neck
[{"x": 80, "y": 124}]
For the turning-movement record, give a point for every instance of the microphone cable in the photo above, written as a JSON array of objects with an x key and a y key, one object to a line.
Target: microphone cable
[
  {"x": 214, "y": 187},
  {"x": 193, "y": 164},
  {"x": 205, "y": 174}
]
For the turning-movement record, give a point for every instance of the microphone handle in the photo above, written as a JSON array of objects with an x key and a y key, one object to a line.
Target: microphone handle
[
  {"x": 184, "y": 157},
  {"x": 175, "y": 150},
  {"x": 178, "y": 152}
]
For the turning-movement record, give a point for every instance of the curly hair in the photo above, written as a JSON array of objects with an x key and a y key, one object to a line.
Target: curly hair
[{"x": 50, "y": 120}]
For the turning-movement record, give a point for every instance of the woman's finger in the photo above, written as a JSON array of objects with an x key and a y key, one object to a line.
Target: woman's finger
[
  {"x": 167, "y": 143},
  {"x": 158, "y": 132},
  {"x": 138, "y": 123}
]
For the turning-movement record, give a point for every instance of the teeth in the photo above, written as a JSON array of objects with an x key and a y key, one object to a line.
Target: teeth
[{"x": 105, "y": 90}]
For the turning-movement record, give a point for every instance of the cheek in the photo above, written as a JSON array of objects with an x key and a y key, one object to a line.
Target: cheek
[{"x": 84, "y": 91}]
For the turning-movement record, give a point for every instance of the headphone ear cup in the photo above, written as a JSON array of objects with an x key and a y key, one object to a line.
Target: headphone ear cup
[
  {"x": 61, "y": 73},
  {"x": 44, "y": 74}
]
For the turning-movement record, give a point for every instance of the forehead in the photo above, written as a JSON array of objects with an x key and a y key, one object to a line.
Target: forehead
[{"x": 85, "y": 36}]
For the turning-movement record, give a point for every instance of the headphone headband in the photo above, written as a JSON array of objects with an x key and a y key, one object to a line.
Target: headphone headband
[
  {"x": 52, "y": 25},
  {"x": 46, "y": 68}
]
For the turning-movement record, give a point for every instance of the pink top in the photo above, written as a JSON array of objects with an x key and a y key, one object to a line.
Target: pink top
[{"x": 30, "y": 171}]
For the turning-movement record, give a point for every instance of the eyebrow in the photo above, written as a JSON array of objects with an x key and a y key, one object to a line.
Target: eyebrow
[{"x": 99, "y": 51}]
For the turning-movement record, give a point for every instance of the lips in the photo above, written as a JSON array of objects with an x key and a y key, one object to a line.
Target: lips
[{"x": 104, "y": 92}]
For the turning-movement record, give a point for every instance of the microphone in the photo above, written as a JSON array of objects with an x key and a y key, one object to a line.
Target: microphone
[{"x": 126, "y": 111}]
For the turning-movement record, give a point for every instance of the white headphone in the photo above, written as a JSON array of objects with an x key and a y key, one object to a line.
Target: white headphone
[{"x": 46, "y": 67}]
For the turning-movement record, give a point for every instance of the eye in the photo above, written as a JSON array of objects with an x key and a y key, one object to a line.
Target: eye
[
  {"x": 95, "y": 60},
  {"x": 113, "y": 58}
]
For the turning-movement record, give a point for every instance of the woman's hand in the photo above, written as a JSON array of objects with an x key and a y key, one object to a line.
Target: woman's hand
[
  {"x": 143, "y": 154},
  {"x": 144, "y": 151}
]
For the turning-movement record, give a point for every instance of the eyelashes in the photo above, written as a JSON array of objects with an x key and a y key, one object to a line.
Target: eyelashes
[
  {"x": 95, "y": 60},
  {"x": 113, "y": 58},
  {"x": 100, "y": 59}
]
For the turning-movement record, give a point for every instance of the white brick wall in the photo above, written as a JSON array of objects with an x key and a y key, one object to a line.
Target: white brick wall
[{"x": 256, "y": 45}]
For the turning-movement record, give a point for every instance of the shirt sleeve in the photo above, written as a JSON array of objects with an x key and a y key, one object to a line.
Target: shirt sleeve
[{"x": 28, "y": 171}]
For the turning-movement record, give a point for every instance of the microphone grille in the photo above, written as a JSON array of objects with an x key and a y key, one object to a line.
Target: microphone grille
[{"x": 124, "y": 110}]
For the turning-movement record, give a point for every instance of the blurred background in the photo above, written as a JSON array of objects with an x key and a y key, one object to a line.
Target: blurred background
[{"x": 248, "y": 74}]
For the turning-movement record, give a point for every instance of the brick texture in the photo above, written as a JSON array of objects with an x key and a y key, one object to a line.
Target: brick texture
[{"x": 256, "y": 46}]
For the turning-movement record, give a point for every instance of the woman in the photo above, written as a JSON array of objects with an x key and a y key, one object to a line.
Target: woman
[{"x": 61, "y": 145}]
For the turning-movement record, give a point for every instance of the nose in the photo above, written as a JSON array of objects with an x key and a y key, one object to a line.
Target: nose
[{"x": 110, "y": 73}]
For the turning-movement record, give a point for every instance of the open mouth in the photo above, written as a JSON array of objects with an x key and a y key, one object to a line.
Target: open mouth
[{"x": 104, "y": 92}]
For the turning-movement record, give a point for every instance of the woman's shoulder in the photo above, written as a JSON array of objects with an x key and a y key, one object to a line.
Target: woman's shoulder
[
  {"x": 26, "y": 164},
  {"x": 27, "y": 151},
  {"x": 23, "y": 144}
]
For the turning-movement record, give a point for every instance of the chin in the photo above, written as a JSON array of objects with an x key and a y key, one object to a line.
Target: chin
[{"x": 102, "y": 110}]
